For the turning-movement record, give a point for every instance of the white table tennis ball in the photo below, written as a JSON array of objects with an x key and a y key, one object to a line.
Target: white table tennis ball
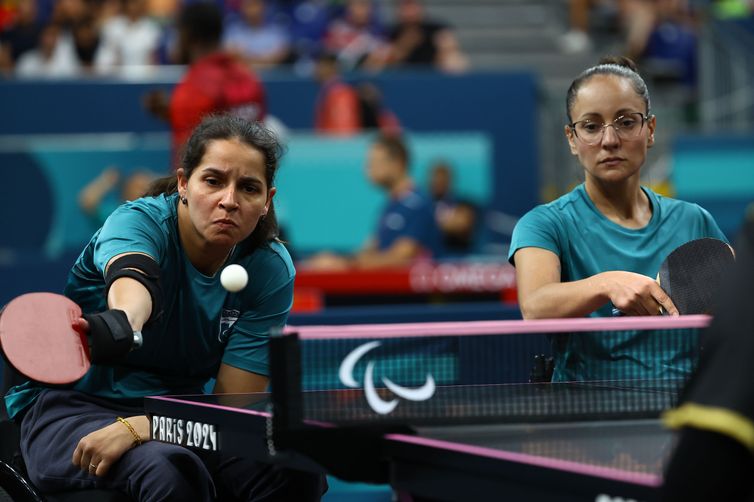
[{"x": 234, "y": 278}]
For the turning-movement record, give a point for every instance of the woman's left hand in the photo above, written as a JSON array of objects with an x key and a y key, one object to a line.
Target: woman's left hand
[{"x": 99, "y": 450}]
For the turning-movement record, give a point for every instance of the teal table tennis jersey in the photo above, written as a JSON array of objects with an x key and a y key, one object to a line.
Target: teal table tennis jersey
[
  {"x": 588, "y": 243},
  {"x": 202, "y": 324}
]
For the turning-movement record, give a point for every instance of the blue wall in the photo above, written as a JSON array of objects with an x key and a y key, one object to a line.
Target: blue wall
[
  {"x": 324, "y": 200},
  {"x": 716, "y": 172},
  {"x": 501, "y": 105}
]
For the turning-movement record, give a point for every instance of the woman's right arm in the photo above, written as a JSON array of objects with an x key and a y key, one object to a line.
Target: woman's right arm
[
  {"x": 542, "y": 295},
  {"x": 98, "y": 451}
]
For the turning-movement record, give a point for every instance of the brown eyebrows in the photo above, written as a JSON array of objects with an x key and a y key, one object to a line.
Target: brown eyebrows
[
  {"x": 594, "y": 116},
  {"x": 243, "y": 180},
  {"x": 213, "y": 171},
  {"x": 621, "y": 112},
  {"x": 626, "y": 111}
]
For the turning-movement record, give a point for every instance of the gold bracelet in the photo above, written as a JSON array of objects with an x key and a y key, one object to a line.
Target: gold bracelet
[{"x": 137, "y": 438}]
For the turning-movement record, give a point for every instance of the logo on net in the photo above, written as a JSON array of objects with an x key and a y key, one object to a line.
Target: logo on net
[{"x": 378, "y": 404}]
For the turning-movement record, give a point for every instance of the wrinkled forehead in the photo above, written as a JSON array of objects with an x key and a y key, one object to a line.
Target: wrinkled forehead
[{"x": 232, "y": 152}]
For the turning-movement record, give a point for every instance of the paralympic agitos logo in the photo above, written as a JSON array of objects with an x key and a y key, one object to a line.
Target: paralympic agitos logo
[{"x": 379, "y": 405}]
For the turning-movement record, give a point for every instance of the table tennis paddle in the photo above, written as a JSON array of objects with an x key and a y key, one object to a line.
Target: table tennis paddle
[
  {"x": 692, "y": 273},
  {"x": 38, "y": 338}
]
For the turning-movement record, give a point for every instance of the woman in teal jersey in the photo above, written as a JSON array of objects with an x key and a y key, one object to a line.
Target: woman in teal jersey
[
  {"x": 600, "y": 246},
  {"x": 154, "y": 267}
]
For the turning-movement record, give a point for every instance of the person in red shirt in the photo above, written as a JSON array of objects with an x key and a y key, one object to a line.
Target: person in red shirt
[{"x": 215, "y": 82}]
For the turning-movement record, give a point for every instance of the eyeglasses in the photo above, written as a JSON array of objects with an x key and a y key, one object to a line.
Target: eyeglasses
[{"x": 627, "y": 127}]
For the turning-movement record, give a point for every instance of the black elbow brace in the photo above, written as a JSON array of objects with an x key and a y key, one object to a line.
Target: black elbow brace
[{"x": 141, "y": 268}]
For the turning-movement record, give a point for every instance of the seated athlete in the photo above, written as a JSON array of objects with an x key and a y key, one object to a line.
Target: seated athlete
[
  {"x": 154, "y": 267},
  {"x": 406, "y": 229},
  {"x": 600, "y": 246}
]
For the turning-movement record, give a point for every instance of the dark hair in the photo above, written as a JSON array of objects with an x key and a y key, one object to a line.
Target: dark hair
[
  {"x": 370, "y": 104},
  {"x": 201, "y": 22},
  {"x": 619, "y": 66},
  {"x": 395, "y": 148},
  {"x": 227, "y": 126}
]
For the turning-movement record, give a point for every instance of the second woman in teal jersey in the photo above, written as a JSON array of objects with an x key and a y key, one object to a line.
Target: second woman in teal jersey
[{"x": 599, "y": 247}]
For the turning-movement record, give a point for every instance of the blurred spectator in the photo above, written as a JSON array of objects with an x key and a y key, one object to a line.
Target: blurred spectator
[
  {"x": 356, "y": 37},
  {"x": 663, "y": 38},
  {"x": 577, "y": 38},
  {"x": 417, "y": 40},
  {"x": 129, "y": 38},
  {"x": 342, "y": 109},
  {"x": 307, "y": 24},
  {"x": 256, "y": 38},
  {"x": 86, "y": 41},
  {"x": 108, "y": 9},
  {"x": 68, "y": 13},
  {"x": 659, "y": 34},
  {"x": 337, "y": 108},
  {"x": 406, "y": 229},
  {"x": 7, "y": 14},
  {"x": 641, "y": 17},
  {"x": 374, "y": 113},
  {"x": 455, "y": 217},
  {"x": 215, "y": 81},
  {"x": 48, "y": 59},
  {"x": 78, "y": 37},
  {"x": 97, "y": 199},
  {"x": 162, "y": 10},
  {"x": 21, "y": 36},
  {"x": 166, "y": 51}
]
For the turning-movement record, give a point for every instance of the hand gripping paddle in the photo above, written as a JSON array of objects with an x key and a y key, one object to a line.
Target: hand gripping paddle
[
  {"x": 692, "y": 273},
  {"x": 38, "y": 339}
]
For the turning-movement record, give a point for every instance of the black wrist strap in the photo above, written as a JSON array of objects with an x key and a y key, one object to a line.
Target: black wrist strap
[{"x": 110, "y": 336}]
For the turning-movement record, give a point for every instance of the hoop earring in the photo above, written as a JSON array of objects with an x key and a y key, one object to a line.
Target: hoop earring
[{"x": 184, "y": 201}]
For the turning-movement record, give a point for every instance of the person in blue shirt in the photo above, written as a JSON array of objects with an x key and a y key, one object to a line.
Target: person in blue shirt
[
  {"x": 406, "y": 228},
  {"x": 600, "y": 246},
  {"x": 154, "y": 267},
  {"x": 456, "y": 217}
]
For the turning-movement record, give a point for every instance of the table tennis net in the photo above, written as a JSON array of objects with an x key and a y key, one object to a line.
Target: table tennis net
[{"x": 523, "y": 373}]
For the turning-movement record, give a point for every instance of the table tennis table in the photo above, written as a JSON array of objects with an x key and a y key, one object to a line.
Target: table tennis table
[
  {"x": 611, "y": 446},
  {"x": 575, "y": 460}
]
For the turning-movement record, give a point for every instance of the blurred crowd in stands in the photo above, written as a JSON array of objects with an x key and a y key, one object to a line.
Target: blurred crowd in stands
[
  {"x": 64, "y": 38},
  {"x": 660, "y": 34}
]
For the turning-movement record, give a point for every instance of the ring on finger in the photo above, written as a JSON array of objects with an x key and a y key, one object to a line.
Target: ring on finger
[{"x": 92, "y": 467}]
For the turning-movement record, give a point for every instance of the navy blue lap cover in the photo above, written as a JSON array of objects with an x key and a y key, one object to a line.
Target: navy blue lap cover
[{"x": 58, "y": 419}]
